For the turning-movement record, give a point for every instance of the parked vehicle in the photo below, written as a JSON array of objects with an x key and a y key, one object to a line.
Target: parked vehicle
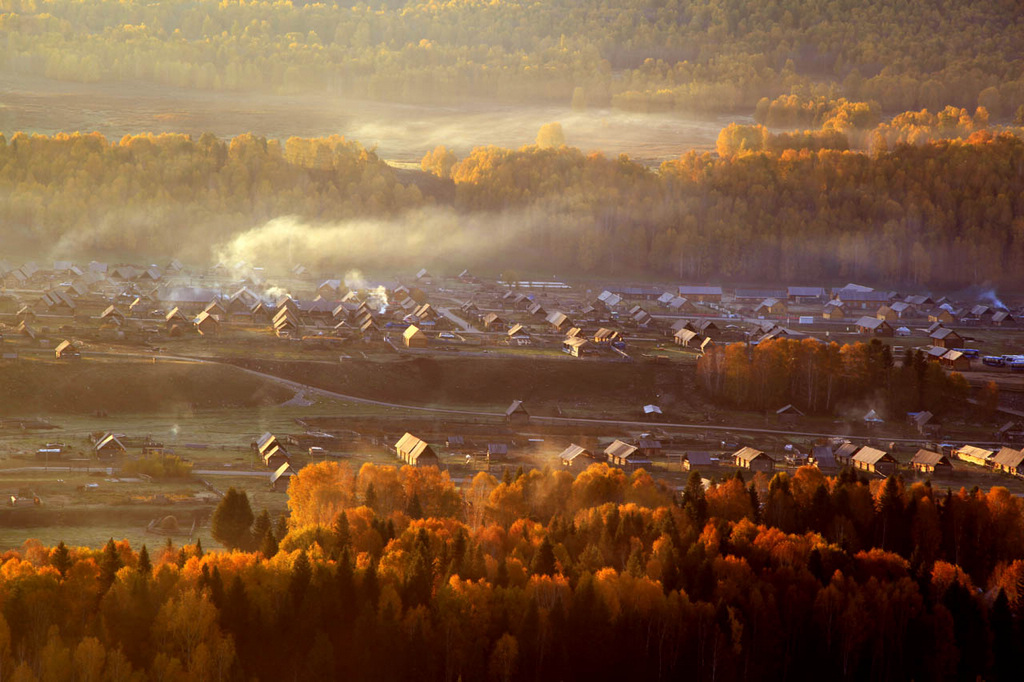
[{"x": 993, "y": 361}]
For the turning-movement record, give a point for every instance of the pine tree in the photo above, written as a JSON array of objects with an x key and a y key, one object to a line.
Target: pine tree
[
  {"x": 232, "y": 520},
  {"x": 544, "y": 560},
  {"x": 269, "y": 548},
  {"x": 341, "y": 533},
  {"x": 145, "y": 565},
  {"x": 110, "y": 564},
  {"x": 61, "y": 559},
  {"x": 302, "y": 573}
]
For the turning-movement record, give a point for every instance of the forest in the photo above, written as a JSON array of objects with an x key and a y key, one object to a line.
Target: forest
[
  {"x": 750, "y": 213},
  {"x": 647, "y": 55},
  {"x": 387, "y": 574},
  {"x": 826, "y": 378}
]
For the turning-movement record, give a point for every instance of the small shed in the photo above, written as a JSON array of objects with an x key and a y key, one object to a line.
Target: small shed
[
  {"x": 823, "y": 458},
  {"x": 516, "y": 414},
  {"x": 946, "y": 338},
  {"x": 844, "y": 453}
]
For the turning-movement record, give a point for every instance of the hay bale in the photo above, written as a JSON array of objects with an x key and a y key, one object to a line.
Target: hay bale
[{"x": 168, "y": 524}]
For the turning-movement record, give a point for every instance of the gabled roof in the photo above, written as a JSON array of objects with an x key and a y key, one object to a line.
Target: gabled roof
[
  {"x": 870, "y": 322},
  {"x": 870, "y": 455},
  {"x": 806, "y": 291},
  {"x": 414, "y": 447},
  {"x": 620, "y": 450},
  {"x": 973, "y": 451},
  {"x": 283, "y": 470},
  {"x": 108, "y": 441},
  {"x": 847, "y": 449},
  {"x": 1008, "y": 457},
  {"x": 574, "y": 451},
  {"x": 928, "y": 458},
  {"x": 516, "y": 408},
  {"x": 748, "y": 454},
  {"x": 941, "y": 333}
]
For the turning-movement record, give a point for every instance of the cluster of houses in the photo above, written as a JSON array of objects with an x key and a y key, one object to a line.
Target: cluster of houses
[{"x": 276, "y": 458}]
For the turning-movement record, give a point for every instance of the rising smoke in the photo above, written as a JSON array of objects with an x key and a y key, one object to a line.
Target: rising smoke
[{"x": 416, "y": 239}]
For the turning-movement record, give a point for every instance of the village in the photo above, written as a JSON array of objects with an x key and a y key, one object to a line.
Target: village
[{"x": 296, "y": 331}]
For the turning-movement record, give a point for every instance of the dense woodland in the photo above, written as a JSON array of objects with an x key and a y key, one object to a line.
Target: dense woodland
[
  {"x": 637, "y": 54},
  {"x": 386, "y": 574},
  {"x": 826, "y": 378},
  {"x": 895, "y": 215}
]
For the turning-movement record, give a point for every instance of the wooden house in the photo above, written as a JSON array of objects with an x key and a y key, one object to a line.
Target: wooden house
[
  {"x": 413, "y": 337},
  {"x": 823, "y": 458},
  {"x": 66, "y": 350},
  {"x": 516, "y": 414},
  {"x": 281, "y": 477},
  {"x": 576, "y": 457},
  {"x": 955, "y": 360},
  {"x": 771, "y": 306},
  {"x": 1009, "y": 460},
  {"x": 109, "y": 446},
  {"x": 833, "y": 311},
  {"x": 578, "y": 347},
  {"x": 844, "y": 453},
  {"x": 1003, "y": 319},
  {"x": 755, "y": 460},
  {"x": 942, "y": 316},
  {"x": 415, "y": 452},
  {"x": 946, "y": 338},
  {"x": 974, "y": 455},
  {"x": 698, "y": 460},
  {"x": 492, "y": 322},
  {"x": 206, "y": 324},
  {"x": 702, "y": 294},
  {"x": 648, "y": 447},
  {"x": 497, "y": 452},
  {"x": 873, "y": 326},
  {"x": 875, "y": 461},
  {"x": 929, "y": 462},
  {"x": 624, "y": 455},
  {"x": 112, "y": 314},
  {"x": 559, "y": 321}
]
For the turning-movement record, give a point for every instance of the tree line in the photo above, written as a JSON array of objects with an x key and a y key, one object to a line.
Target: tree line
[
  {"x": 894, "y": 215},
  {"x": 792, "y": 576},
  {"x": 709, "y": 55},
  {"x": 829, "y": 378}
]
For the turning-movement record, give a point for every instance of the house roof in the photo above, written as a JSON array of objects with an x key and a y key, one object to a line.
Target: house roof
[
  {"x": 411, "y": 331},
  {"x": 805, "y": 291},
  {"x": 824, "y": 456},
  {"x": 497, "y": 449},
  {"x": 574, "y": 451},
  {"x": 515, "y": 407},
  {"x": 1008, "y": 457},
  {"x": 870, "y": 455},
  {"x": 847, "y": 449},
  {"x": 283, "y": 470},
  {"x": 928, "y": 457},
  {"x": 414, "y": 447},
  {"x": 620, "y": 450},
  {"x": 942, "y": 332},
  {"x": 870, "y": 322},
  {"x": 748, "y": 454},
  {"x": 108, "y": 441},
  {"x": 973, "y": 451},
  {"x": 700, "y": 291}
]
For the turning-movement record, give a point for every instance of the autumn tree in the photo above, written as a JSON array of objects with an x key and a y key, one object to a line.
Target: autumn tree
[{"x": 232, "y": 520}]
